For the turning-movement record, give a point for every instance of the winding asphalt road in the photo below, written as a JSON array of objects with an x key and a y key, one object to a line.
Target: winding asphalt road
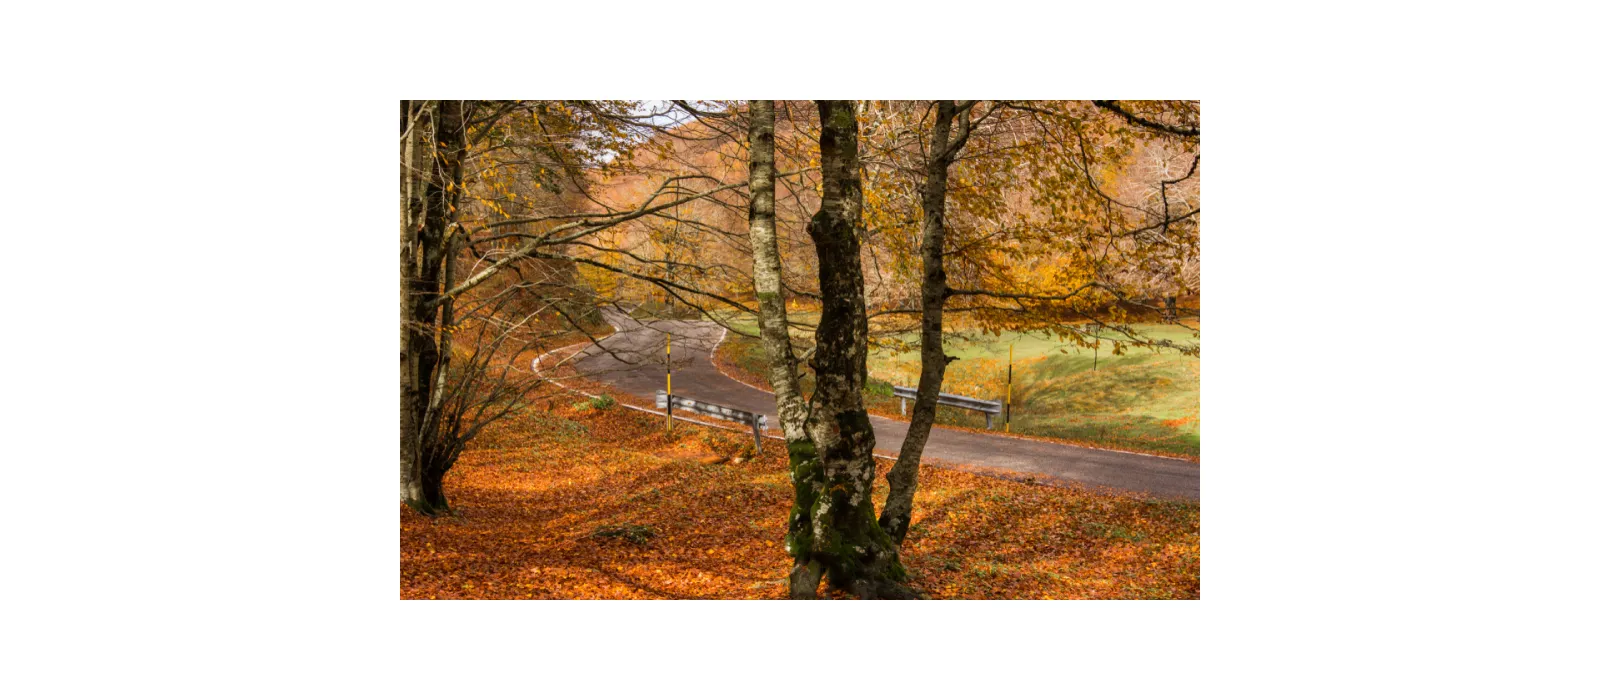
[{"x": 631, "y": 360}]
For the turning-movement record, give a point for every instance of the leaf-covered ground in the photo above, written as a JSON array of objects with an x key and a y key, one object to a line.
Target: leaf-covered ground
[{"x": 579, "y": 502}]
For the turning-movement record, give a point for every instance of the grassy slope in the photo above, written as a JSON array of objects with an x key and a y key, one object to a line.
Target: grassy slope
[
  {"x": 1143, "y": 400},
  {"x": 535, "y": 491}
]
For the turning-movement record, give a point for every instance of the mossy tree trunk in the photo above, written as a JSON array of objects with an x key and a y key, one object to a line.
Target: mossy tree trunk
[
  {"x": 834, "y": 531},
  {"x": 774, "y": 321},
  {"x": 942, "y": 150}
]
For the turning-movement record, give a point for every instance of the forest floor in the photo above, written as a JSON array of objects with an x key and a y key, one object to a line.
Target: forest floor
[
  {"x": 1143, "y": 400},
  {"x": 584, "y": 502}
]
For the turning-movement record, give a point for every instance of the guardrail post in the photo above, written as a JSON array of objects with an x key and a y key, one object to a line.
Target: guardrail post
[
  {"x": 990, "y": 409},
  {"x": 756, "y": 421},
  {"x": 1011, "y": 358},
  {"x": 669, "y": 382}
]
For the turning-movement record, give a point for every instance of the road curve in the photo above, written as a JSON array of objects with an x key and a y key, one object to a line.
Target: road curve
[{"x": 632, "y": 360}]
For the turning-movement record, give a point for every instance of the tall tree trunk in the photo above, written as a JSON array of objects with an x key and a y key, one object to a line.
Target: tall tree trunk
[
  {"x": 424, "y": 355},
  {"x": 774, "y": 320},
  {"x": 896, "y": 517},
  {"x": 834, "y": 490},
  {"x": 416, "y": 136},
  {"x": 768, "y": 273}
]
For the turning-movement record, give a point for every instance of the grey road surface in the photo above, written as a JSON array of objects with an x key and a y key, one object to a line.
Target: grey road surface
[{"x": 632, "y": 360}]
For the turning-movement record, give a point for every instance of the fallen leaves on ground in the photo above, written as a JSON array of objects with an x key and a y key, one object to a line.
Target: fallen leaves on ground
[{"x": 585, "y": 503}]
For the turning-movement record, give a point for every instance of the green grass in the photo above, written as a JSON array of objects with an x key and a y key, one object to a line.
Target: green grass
[
  {"x": 746, "y": 323},
  {"x": 1144, "y": 399},
  {"x": 654, "y": 310},
  {"x": 1031, "y": 345}
]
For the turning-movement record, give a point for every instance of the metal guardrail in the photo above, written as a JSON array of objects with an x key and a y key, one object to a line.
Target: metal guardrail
[
  {"x": 990, "y": 409},
  {"x": 756, "y": 421}
]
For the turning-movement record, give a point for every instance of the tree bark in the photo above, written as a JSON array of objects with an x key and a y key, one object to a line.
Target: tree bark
[
  {"x": 767, "y": 270},
  {"x": 838, "y": 534},
  {"x": 942, "y": 149},
  {"x": 415, "y": 132},
  {"x": 424, "y": 320},
  {"x": 768, "y": 273}
]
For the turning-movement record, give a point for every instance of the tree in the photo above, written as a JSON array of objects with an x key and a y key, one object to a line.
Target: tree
[
  {"x": 1043, "y": 186},
  {"x": 1087, "y": 287},
  {"x": 942, "y": 150},
  {"x": 433, "y": 147},
  {"x": 767, "y": 275},
  {"x": 494, "y": 210},
  {"x": 833, "y": 530},
  {"x": 946, "y": 199}
]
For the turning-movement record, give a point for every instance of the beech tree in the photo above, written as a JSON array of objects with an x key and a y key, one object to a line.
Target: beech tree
[
  {"x": 1091, "y": 283},
  {"x": 833, "y": 531},
  {"x": 956, "y": 196},
  {"x": 495, "y": 226},
  {"x": 1043, "y": 186},
  {"x": 942, "y": 149},
  {"x": 767, "y": 278},
  {"x": 432, "y": 149}
]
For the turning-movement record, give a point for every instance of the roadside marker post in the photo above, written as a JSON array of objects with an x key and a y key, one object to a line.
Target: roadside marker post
[
  {"x": 669, "y": 382},
  {"x": 1095, "y": 329},
  {"x": 1011, "y": 357}
]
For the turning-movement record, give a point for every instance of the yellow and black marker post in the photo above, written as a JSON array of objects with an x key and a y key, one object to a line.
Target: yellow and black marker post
[
  {"x": 1011, "y": 356},
  {"x": 669, "y": 382}
]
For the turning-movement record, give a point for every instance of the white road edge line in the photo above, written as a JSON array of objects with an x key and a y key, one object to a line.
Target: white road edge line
[{"x": 557, "y": 382}]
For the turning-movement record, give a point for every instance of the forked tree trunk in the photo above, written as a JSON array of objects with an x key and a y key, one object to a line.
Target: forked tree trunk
[
  {"x": 425, "y": 251},
  {"x": 942, "y": 149},
  {"x": 838, "y": 534}
]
